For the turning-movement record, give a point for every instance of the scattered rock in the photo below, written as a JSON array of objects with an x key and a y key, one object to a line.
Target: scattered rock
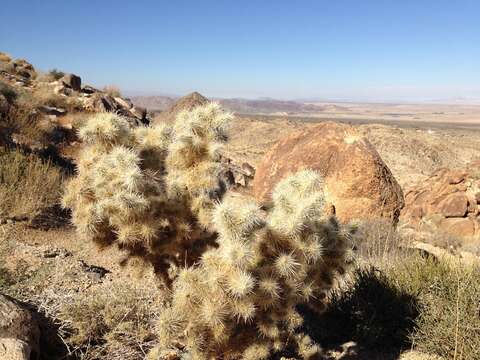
[
  {"x": 97, "y": 272},
  {"x": 56, "y": 252},
  {"x": 19, "y": 333},
  {"x": 248, "y": 169},
  {"x": 72, "y": 81},
  {"x": 357, "y": 182},
  {"x": 50, "y": 110}
]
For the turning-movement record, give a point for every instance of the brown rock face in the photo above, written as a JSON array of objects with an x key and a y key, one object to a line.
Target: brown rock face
[
  {"x": 446, "y": 201},
  {"x": 185, "y": 103},
  {"x": 454, "y": 205},
  {"x": 357, "y": 182}
]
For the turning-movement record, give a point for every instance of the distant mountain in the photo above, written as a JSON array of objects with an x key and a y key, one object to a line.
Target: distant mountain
[
  {"x": 238, "y": 105},
  {"x": 154, "y": 103},
  {"x": 187, "y": 102}
]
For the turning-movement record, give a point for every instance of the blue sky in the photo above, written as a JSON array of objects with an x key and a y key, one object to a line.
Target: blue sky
[{"x": 386, "y": 50}]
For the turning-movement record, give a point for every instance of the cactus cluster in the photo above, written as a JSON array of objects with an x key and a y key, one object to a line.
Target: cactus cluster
[
  {"x": 149, "y": 189},
  {"x": 241, "y": 300},
  {"x": 237, "y": 271}
]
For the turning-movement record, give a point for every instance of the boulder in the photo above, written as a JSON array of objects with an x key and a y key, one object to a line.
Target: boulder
[
  {"x": 139, "y": 112},
  {"x": 124, "y": 103},
  {"x": 358, "y": 184},
  {"x": 454, "y": 205},
  {"x": 73, "y": 81},
  {"x": 19, "y": 333},
  {"x": 87, "y": 89}
]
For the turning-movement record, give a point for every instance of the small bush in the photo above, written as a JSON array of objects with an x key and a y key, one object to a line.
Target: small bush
[
  {"x": 56, "y": 74},
  {"x": 378, "y": 242},
  {"x": 27, "y": 184},
  {"x": 112, "y": 90}
]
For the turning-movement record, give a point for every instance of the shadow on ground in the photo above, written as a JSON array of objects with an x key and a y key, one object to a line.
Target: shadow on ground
[{"x": 373, "y": 314}]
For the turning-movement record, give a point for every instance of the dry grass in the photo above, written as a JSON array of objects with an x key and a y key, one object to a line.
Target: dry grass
[
  {"x": 44, "y": 95},
  {"x": 8, "y": 91},
  {"x": 112, "y": 90},
  {"x": 5, "y": 57},
  {"x": 27, "y": 184},
  {"x": 112, "y": 320},
  {"x": 379, "y": 243}
]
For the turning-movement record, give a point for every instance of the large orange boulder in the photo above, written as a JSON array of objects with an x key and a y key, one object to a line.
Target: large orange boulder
[{"x": 358, "y": 184}]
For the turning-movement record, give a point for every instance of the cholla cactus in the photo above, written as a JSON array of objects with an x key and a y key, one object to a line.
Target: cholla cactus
[
  {"x": 240, "y": 300},
  {"x": 149, "y": 189}
]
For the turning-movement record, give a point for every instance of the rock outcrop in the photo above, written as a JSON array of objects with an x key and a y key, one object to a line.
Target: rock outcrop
[
  {"x": 449, "y": 201},
  {"x": 358, "y": 184},
  {"x": 72, "y": 81},
  {"x": 19, "y": 334}
]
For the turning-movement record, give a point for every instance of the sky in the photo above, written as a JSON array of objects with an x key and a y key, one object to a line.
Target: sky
[{"x": 350, "y": 50}]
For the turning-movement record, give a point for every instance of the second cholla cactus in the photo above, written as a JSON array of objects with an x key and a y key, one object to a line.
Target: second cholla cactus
[
  {"x": 241, "y": 300},
  {"x": 149, "y": 189}
]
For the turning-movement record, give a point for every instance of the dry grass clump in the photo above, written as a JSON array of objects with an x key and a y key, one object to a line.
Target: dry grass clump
[
  {"x": 109, "y": 321},
  {"x": 379, "y": 242},
  {"x": 112, "y": 90},
  {"x": 149, "y": 189},
  {"x": 27, "y": 184},
  {"x": 5, "y": 57},
  {"x": 241, "y": 300},
  {"x": 43, "y": 94},
  {"x": 113, "y": 320}
]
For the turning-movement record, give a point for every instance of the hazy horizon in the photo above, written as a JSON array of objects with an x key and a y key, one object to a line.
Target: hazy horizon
[{"x": 352, "y": 51}]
